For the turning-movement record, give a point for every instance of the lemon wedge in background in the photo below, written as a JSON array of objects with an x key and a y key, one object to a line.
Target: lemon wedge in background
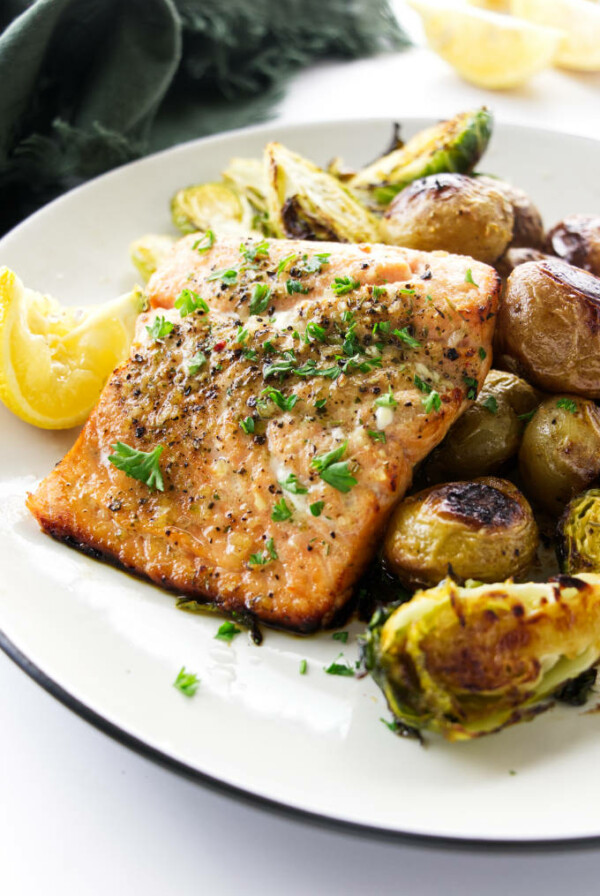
[
  {"x": 580, "y": 22},
  {"x": 493, "y": 5},
  {"x": 486, "y": 48},
  {"x": 54, "y": 360}
]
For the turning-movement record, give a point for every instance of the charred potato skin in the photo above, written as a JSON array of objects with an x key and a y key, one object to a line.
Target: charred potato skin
[
  {"x": 482, "y": 529},
  {"x": 488, "y": 434},
  {"x": 560, "y": 451},
  {"x": 512, "y": 258},
  {"x": 578, "y": 543},
  {"x": 528, "y": 228},
  {"x": 576, "y": 239},
  {"x": 451, "y": 212},
  {"x": 548, "y": 327}
]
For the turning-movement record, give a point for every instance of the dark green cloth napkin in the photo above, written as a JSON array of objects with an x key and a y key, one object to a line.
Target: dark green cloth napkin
[{"x": 86, "y": 85}]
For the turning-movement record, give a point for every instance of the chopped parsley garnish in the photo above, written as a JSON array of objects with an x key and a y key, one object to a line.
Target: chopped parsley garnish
[
  {"x": 382, "y": 326},
  {"x": 268, "y": 346},
  {"x": 568, "y": 404},
  {"x": 197, "y": 362},
  {"x": 189, "y": 301},
  {"x": 280, "y": 368},
  {"x": 293, "y": 286},
  {"x": 278, "y": 398},
  {"x": 317, "y": 508},
  {"x": 160, "y": 328},
  {"x": 141, "y": 465},
  {"x": 227, "y": 632},
  {"x": 250, "y": 354},
  {"x": 343, "y": 285},
  {"x": 228, "y": 276},
  {"x": 405, "y": 336},
  {"x": 469, "y": 277},
  {"x": 253, "y": 251},
  {"x": 527, "y": 416},
  {"x": 334, "y": 472},
  {"x": 247, "y": 425},
  {"x": 432, "y": 402},
  {"x": 336, "y": 668},
  {"x": 313, "y": 265},
  {"x": 421, "y": 384},
  {"x": 377, "y": 435},
  {"x": 292, "y": 485},
  {"x": 281, "y": 512},
  {"x": 356, "y": 362},
  {"x": 393, "y": 726},
  {"x": 379, "y": 291},
  {"x": 186, "y": 682},
  {"x": 406, "y": 291},
  {"x": 315, "y": 331},
  {"x": 320, "y": 403},
  {"x": 348, "y": 317},
  {"x": 387, "y": 400},
  {"x": 341, "y": 636},
  {"x": 303, "y": 667},
  {"x": 261, "y": 296},
  {"x": 284, "y": 262},
  {"x": 205, "y": 243},
  {"x": 490, "y": 404},
  {"x": 482, "y": 353},
  {"x": 472, "y": 385},
  {"x": 242, "y": 335}
]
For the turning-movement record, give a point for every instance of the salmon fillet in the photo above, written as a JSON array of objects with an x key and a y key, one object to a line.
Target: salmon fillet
[{"x": 367, "y": 351}]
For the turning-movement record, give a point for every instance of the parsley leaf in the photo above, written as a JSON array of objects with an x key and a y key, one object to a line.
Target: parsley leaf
[
  {"x": 186, "y": 682},
  {"x": 491, "y": 404},
  {"x": 141, "y": 465},
  {"x": 469, "y": 277},
  {"x": 482, "y": 353},
  {"x": 313, "y": 265},
  {"x": 334, "y": 472},
  {"x": 341, "y": 636},
  {"x": 568, "y": 404},
  {"x": 160, "y": 328},
  {"x": 472, "y": 385},
  {"x": 377, "y": 435},
  {"x": 323, "y": 461},
  {"x": 405, "y": 336},
  {"x": 315, "y": 331},
  {"x": 227, "y": 632},
  {"x": 278, "y": 398},
  {"x": 432, "y": 402},
  {"x": 317, "y": 508},
  {"x": 336, "y": 668},
  {"x": 292, "y": 485},
  {"x": 527, "y": 416},
  {"x": 343, "y": 285},
  {"x": 205, "y": 243},
  {"x": 421, "y": 384},
  {"x": 303, "y": 667},
  {"x": 382, "y": 326},
  {"x": 379, "y": 291},
  {"x": 188, "y": 301},
  {"x": 253, "y": 251},
  {"x": 293, "y": 286},
  {"x": 197, "y": 362},
  {"x": 261, "y": 296},
  {"x": 387, "y": 400},
  {"x": 279, "y": 368},
  {"x": 271, "y": 549},
  {"x": 284, "y": 262},
  {"x": 228, "y": 276},
  {"x": 393, "y": 725},
  {"x": 247, "y": 425},
  {"x": 281, "y": 512},
  {"x": 320, "y": 403}
]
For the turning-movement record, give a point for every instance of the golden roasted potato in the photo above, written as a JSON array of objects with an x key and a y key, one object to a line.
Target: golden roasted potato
[
  {"x": 576, "y": 239},
  {"x": 453, "y": 212},
  {"x": 512, "y": 258},
  {"x": 528, "y": 228},
  {"x": 548, "y": 327},
  {"x": 560, "y": 451},
  {"x": 482, "y": 529},
  {"x": 489, "y": 432}
]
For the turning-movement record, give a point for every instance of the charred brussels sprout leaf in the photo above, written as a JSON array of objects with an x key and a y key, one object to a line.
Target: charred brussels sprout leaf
[
  {"x": 579, "y": 534},
  {"x": 465, "y": 662},
  {"x": 149, "y": 251},
  {"x": 215, "y": 207}
]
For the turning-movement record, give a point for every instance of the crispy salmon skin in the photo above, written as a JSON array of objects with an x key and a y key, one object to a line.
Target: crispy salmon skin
[{"x": 367, "y": 351}]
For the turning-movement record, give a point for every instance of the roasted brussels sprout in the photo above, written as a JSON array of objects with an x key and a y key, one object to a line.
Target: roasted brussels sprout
[
  {"x": 548, "y": 327},
  {"x": 454, "y": 145},
  {"x": 453, "y": 212},
  {"x": 468, "y": 661},
  {"x": 212, "y": 206},
  {"x": 579, "y": 534},
  {"x": 149, "y": 251},
  {"x": 489, "y": 432},
  {"x": 560, "y": 451},
  {"x": 512, "y": 258},
  {"x": 528, "y": 229},
  {"x": 306, "y": 203},
  {"x": 247, "y": 177},
  {"x": 482, "y": 529},
  {"x": 576, "y": 239}
]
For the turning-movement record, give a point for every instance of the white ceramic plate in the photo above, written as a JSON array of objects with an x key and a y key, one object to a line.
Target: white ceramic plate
[{"x": 110, "y": 645}]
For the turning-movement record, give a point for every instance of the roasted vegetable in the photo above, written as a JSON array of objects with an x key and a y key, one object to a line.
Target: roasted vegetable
[
  {"x": 528, "y": 229},
  {"x": 482, "y": 530},
  {"x": 560, "y": 451},
  {"x": 548, "y": 327},
  {"x": 579, "y": 534},
  {"x": 247, "y": 177},
  {"x": 212, "y": 206},
  {"x": 468, "y": 661},
  {"x": 576, "y": 239},
  {"x": 450, "y": 211},
  {"x": 489, "y": 432},
  {"x": 454, "y": 145},
  {"x": 512, "y": 258},
  {"x": 149, "y": 251},
  {"x": 305, "y": 202}
]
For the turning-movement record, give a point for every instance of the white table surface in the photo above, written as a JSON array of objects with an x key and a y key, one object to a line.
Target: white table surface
[{"x": 80, "y": 814}]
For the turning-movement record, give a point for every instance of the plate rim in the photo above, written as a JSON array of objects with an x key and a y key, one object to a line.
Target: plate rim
[{"x": 183, "y": 769}]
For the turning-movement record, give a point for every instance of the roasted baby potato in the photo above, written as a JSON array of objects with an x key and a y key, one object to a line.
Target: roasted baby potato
[
  {"x": 512, "y": 258},
  {"x": 560, "y": 451},
  {"x": 548, "y": 327},
  {"x": 465, "y": 662},
  {"x": 452, "y": 212},
  {"x": 483, "y": 529},
  {"x": 489, "y": 432},
  {"x": 454, "y": 145},
  {"x": 578, "y": 546},
  {"x": 576, "y": 239},
  {"x": 528, "y": 228}
]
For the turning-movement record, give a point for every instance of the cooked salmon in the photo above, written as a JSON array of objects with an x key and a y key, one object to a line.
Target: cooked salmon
[{"x": 292, "y": 389}]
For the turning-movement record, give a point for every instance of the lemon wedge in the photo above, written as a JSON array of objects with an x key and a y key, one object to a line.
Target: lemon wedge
[
  {"x": 579, "y": 21},
  {"x": 54, "y": 360},
  {"x": 493, "y": 5},
  {"x": 486, "y": 48}
]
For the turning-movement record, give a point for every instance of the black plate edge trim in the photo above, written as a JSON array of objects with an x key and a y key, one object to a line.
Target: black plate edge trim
[{"x": 268, "y": 805}]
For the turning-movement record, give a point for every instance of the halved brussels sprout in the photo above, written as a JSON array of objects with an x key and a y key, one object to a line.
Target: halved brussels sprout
[
  {"x": 247, "y": 176},
  {"x": 450, "y": 146},
  {"x": 483, "y": 529},
  {"x": 307, "y": 203},
  {"x": 149, "y": 251},
  {"x": 579, "y": 534},
  {"x": 468, "y": 661},
  {"x": 212, "y": 206}
]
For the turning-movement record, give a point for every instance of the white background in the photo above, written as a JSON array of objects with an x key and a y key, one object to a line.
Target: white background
[{"x": 79, "y": 814}]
